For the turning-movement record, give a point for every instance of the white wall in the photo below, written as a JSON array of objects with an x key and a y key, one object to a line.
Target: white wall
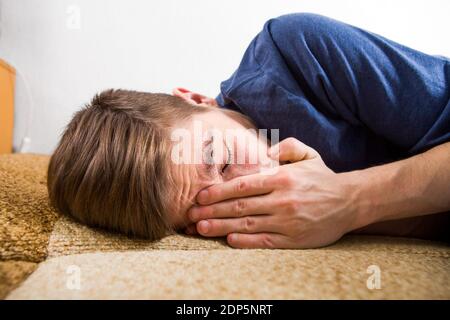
[{"x": 156, "y": 45}]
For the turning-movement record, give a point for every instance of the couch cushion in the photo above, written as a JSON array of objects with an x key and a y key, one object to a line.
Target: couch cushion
[
  {"x": 26, "y": 219},
  {"x": 179, "y": 266},
  {"x": 338, "y": 272},
  {"x": 12, "y": 273}
]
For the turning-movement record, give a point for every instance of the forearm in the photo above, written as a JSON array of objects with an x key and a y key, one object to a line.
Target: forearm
[{"x": 415, "y": 186}]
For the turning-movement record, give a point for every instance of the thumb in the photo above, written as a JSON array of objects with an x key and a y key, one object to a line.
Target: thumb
[{"x": 292, "y": 150}]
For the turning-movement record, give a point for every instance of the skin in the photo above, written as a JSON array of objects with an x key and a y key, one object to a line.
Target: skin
[
  {"x": 193, "y": 177},
  {"x": 305, "y": 204}
]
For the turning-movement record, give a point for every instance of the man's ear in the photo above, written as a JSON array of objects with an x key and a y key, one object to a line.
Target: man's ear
[{"x": 193, "y": 98}]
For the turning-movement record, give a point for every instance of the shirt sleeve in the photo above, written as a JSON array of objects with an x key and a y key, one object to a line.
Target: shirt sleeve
[{"x": 359, "y": 98}]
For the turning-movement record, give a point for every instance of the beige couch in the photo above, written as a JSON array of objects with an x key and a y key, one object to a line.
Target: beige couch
[{"x": 45, "y": 256}]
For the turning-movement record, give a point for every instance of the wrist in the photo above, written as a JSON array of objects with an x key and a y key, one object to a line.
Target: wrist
[
  {"x": 401, "y": 189},
  {"x": 381, "y": 193},
  {"x": 362, "y": 198}
]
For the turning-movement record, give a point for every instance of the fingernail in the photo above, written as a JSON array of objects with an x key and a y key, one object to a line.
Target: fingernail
[
  {"x": 202, "y": 196},
  {"x": 204, "y": 226},
  {"x": 232, "y": 237}
]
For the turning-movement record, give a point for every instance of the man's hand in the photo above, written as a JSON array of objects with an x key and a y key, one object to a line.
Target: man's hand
[{"x": 304, "y": 204}]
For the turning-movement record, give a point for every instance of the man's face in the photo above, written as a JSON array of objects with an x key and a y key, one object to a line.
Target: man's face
[{"x": 219, "y": 148}]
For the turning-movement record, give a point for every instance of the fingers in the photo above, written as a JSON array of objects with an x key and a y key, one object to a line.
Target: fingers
[
  {"x": 243, "y": 186},
  {"x": 250, "y": 224},
  {"x": 231, "y": 208},
  {"x": 258, "y": 241},
  {"x": 291, "y": 149}
]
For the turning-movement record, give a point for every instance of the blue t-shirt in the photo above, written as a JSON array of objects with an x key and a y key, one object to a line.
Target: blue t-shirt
[{"x": 358, "y": 98}]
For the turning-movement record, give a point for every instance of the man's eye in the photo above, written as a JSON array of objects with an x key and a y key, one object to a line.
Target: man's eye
[
  {"x": 208, "y": 156},
  {"x": 225, "y": 167},
  {"x": 228, "y": 159}
]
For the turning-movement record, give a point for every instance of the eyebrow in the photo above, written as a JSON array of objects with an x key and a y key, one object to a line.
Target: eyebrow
[{"x": 205, "y": 170}]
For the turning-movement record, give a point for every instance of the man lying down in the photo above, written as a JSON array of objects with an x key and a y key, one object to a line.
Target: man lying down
[{"x": 364, "y": 130}]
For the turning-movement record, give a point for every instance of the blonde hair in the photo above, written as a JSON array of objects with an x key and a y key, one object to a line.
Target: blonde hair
[{"x": 111, "y": 166}]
